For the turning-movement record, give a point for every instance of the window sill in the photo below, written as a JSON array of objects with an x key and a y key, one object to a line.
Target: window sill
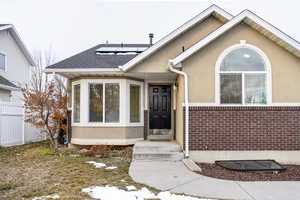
[{"x": 91, "y": 124}]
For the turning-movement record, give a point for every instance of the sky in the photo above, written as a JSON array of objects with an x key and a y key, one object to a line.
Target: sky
[{"x": 71, "y": 26}]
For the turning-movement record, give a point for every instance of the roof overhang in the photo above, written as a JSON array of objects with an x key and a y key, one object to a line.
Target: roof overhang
[
  {"x": 212, "y": 10},
  {"x": 19, "y": 41},
  {"x": 79, "y": 72},
  {"x": 252, "y": 20},
  {"x": 6, "y": 87}
]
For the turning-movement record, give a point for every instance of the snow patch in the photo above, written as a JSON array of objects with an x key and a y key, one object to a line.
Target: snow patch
[
  {"x": 97, "y": 165},
  {"x": 130, "y": 187},
  {"x": 111, "y": 168},
  {"x": 113, "y": 193},
  {"x": 53, "y": 196}
]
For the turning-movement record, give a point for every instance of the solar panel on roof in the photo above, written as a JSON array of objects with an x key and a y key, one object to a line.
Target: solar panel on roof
[{"x": 121, "y": 49}]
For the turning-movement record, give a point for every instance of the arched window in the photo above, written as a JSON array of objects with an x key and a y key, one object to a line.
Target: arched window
[{"x": 243, "y": 76}]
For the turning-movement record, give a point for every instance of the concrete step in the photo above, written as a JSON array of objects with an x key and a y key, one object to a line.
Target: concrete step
[
  {"x": 157, "y": 147},
  {"x": 165, "y": 151},
  {"x": 163, "y": 156},
  {"x": 162, "y": 137}
]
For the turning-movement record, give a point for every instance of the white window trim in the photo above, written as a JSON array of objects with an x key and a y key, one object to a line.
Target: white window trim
[
  {"x": 103, "y": 82},
  {"x": 268, "y": 72},
  {"x": 72, "y": 117},
  {"x": 124, "y": 110},
  {"x": 5, "y": 62},
  {"x": 131, "y": 82}
]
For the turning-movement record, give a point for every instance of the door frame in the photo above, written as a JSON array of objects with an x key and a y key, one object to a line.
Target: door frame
[{"x": 173, "y": 103}]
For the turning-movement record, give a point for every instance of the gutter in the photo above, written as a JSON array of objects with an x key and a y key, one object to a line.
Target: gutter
[{"x": 186, "y": 103}]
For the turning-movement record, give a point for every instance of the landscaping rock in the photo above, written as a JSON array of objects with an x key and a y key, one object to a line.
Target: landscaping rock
[{"x": 85, "y": 152}]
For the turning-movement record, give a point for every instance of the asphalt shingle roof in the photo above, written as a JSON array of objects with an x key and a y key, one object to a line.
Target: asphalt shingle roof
[
  {"x": 4, "y": 81},
  {"x": 90, "y": 59}
]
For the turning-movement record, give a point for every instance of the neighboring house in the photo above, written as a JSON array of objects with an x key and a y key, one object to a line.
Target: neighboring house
[
  {"x": 222, "y": 86},
  {"x": 15, "y": 63},
  {"x": 15, "y": 68}
]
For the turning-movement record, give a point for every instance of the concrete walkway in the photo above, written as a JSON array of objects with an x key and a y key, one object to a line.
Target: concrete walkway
[{"x": 175, "y": 177}]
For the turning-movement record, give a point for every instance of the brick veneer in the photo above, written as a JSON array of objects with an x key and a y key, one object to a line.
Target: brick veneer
[
  {"x": 69, "y": 121},
  {"x": 244, "y": 128},
  {"x": 145, "y": 124}
]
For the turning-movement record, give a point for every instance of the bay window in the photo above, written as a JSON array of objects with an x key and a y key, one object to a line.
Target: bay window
[
  {"x": 243, "y": 77},
  {"x": 107, "y": 102},
  {"x": 76, "y": 100},
  {"x": 97, "y": 105},
  {"x": 112, "y": 102}
]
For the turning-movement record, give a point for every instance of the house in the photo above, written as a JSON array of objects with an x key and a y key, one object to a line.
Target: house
[
  {"x": 15, "y": 63},
  {"x": 222, "y": 86},
  {"x": 15, "y": 69}
]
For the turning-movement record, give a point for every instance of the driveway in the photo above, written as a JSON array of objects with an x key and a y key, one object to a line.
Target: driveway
[{"x": 175, "y": 177}]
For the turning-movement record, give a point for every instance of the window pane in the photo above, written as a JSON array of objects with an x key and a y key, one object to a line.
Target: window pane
[
  {"x": 231, "y": 88},
  {"x": 96, "y": 103},
  {"x": 76, "y": 113},
  {"x": 255, "y": 86},
  {"x": 112, "y": 98},
  {"x": 2, "y": 61},
  {"x": 243, "y": 59},
  {"x": 134, "y": 103}
]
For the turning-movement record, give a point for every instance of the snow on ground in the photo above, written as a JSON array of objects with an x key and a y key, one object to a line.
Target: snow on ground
[
  {"x": 130, "y": 187},
  {"x": 111, "y": 168},
  {"x": 113, "y": 193},
  {"x": 97, "y": 165},
  {"x": 53, "y": 196}
]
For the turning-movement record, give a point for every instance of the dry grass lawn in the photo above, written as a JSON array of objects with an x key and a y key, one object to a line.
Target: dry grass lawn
[{"x": 33, "y": 170}]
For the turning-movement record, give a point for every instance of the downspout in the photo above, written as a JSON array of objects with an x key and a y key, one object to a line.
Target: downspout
[{"x": 186, "y": 103}]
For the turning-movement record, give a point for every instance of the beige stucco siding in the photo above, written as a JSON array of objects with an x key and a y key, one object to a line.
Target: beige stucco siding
[
  {"x": 158, "y": 62},
  {"x": 201, "y": 66},
  {"x": 107, "y": 132}
]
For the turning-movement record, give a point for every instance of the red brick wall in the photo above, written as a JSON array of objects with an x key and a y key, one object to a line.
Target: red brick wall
[
  {"x": 145, "y": 124},
  {"x": 244, "y": 128}
]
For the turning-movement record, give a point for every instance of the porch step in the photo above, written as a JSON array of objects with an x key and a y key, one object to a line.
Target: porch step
[
  {"x": 166, "y": 151},
  {"x": 160, "y": 137},
  {"x": 156, "y": 146}
]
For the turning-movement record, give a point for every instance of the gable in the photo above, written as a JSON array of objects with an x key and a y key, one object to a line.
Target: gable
[
  {"x": 9, "y": 28},
  {"x": 285, "y": 66},
  {"x": 158, "y": 62},
  {"x": 15, "y": 59},
  {"x": 213, "y": 10},
  {"x": 257, "y": 23}
]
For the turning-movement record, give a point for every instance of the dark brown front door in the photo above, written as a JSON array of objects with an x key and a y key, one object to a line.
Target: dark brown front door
[{"x": 160, "y": 106}]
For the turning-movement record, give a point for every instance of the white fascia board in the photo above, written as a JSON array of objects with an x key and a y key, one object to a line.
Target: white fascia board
[
  {"x": 83, "y": 70},
  {"x": 236, "y": 20},
  {"x": 19, "y": 41},
  {"x": 176, "y": 33}
]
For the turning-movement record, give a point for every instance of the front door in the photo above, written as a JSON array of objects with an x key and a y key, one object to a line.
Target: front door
[{"x": 160, "y": 107}]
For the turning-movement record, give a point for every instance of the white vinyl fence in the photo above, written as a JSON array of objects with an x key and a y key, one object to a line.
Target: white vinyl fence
[{"x": 13, "y": 129}]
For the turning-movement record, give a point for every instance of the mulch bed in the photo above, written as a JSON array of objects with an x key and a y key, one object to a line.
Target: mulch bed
[{"x": 292, "y": 173}]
